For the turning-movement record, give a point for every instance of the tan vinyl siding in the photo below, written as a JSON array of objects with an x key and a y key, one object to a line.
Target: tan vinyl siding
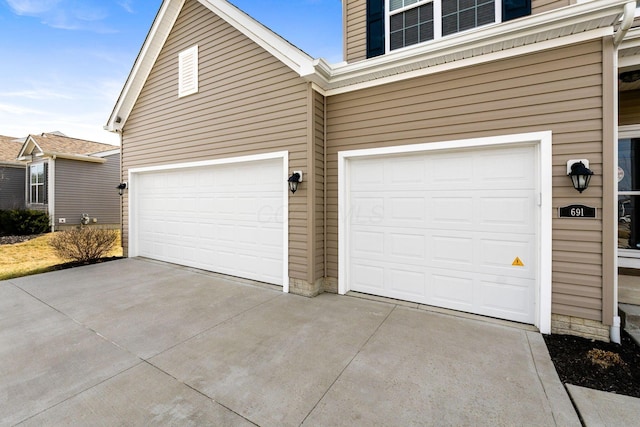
[
  {"x": 539, "y": 6},
  {"x": 355, "y": 23},
  {"x": 356, "y": 30},
  {"x": 248, "y": 103},
  {"x": 629, "y": 108},
  {"x": 84, "y": 187},
  {"x": 558, "y": 90}
]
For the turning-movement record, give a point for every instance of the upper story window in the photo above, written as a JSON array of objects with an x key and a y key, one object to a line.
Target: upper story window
[
  {"x": 394, "y": 24},
  {"x": 417, "y": 21}
]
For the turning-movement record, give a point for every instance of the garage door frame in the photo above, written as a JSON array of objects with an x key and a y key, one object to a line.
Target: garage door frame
[
  {"x": 134, "y": 173},
  {"x": 541, "y": 140}
]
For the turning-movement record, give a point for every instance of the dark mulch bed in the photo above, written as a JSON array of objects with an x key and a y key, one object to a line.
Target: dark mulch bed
[
  {"x": 74, "y": 264},
  {"x": 596, "y": 364}
]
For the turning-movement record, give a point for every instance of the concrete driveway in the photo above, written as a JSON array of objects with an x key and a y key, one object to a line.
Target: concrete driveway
[{"x": 137, "y": 342}]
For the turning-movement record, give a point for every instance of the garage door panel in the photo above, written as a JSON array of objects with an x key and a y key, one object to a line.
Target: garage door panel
[
  {"x": 451, "y": 290},
  {"x": 445, "y": 228},
  {"x": 212, "y": 217},
  {"x": 452, "y": 211},
  {"x": 407, "y": 246},
  {"x": 451, "y": 248},
  {"x": 368, "y": 277},
  {"x": 497, "y": 255},
  {"x": 368, "y": 243},
  {"x": 512, "y": 170},
  {"x": 407, "y": 209},
  {"x": 497, "y": 298}
]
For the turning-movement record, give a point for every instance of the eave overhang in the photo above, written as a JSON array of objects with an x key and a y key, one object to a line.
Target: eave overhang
[
  {"x": 67, "y": 156},
  {"x": 629, "y": 50},
  {"x": 571, "y": 24}
]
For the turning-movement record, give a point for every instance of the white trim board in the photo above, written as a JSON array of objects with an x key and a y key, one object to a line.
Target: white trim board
[
  {"x": 542, "y": 140},
  {"x": 284, "y": 155}
]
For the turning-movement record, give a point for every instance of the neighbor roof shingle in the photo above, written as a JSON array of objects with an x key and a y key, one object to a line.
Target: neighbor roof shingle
[
  {"x": 53, "y": 143},
  {"x": 9, "y": 148}
]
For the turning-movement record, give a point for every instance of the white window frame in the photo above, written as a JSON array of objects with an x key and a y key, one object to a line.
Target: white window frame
[
  {"x": 437, "y": 21},
  {"x": 188, "y": 71},
  {"x": 39, "y": 186},
  {"x": 629, "y": 258}
]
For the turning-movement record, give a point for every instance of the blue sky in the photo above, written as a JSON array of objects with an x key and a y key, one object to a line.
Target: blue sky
[{"x": 65, "y": 61}]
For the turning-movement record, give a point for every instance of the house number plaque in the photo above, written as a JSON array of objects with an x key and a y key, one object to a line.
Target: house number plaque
[{"x": 576, "y": 211}]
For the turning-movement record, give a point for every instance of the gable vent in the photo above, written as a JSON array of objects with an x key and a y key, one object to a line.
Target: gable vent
[{"x": 188, "y": 71}]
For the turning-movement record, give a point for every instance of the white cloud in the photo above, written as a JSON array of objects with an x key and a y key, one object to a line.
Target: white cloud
[
  {"x": 126, "y": 5},
  {"x": 19, "y": 110},
  {"x": 65, "y": 14},
  {"x": 35, "y": 94},
  {"x": 31, "y": 7}
]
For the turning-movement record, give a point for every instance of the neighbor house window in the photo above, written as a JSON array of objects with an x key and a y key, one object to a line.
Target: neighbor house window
[
  {"x": 417, "y": 21},
  {"x": 37, "y": 181}
]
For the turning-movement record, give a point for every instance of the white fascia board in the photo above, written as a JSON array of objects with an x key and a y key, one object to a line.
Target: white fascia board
[
  {"x": 106, "y": 153},
  {"x": 16, "y": 165},
  {"x": 468, "y": 62},
  {"x": 147, "y": 57},
  {"x": 79, "y": 157},
  {"x": 280, "y": 48},
  {"x": 28, "y": 143},
  {"x": 500, "y": 38}
]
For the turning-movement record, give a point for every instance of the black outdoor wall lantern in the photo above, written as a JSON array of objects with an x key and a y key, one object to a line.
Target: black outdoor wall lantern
[
  {"x": 294, "y": 180},
  {"x": 580, "y": 174},
  {"x": 121, "y": 187}
]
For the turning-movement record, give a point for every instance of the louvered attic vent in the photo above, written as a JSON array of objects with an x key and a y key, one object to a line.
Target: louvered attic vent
[{"x": 188, "y": 71}]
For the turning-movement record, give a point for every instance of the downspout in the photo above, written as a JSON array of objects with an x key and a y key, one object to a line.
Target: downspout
[
  {"x": 627, "y": 20},
  {"x": 324, "y": 195},
  {"x": 51, "y": 192}
]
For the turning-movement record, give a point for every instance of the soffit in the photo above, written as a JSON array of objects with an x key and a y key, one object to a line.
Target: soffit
[{"x": 592, "y": 19}]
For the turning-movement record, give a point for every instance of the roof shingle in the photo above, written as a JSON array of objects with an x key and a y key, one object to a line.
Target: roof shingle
[
  {"x": 9, "y": 149},
  {"x": 54, "y": 143}
]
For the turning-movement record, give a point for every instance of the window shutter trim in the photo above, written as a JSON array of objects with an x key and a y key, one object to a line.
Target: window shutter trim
[
  {"x": 512, "y": 9},
  {"x": 375, "y": 28}
]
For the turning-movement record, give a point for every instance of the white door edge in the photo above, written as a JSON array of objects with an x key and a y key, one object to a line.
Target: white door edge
[
  {"x": 542, "y": 140},
  {"x": 284, "y": 155}
]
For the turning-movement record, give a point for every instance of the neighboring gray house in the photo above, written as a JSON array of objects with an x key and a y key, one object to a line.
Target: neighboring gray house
[
  {"x": 12, "y": 183},
  {"x": 69, "y": 177}
]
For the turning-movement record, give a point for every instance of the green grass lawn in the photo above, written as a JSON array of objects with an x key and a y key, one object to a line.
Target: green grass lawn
[{"x": 32, "y": 257}]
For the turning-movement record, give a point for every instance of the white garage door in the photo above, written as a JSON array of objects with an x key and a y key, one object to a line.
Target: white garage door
[
  {"x": 225, "y": 218},
  {"x": 455, "y": 229}
]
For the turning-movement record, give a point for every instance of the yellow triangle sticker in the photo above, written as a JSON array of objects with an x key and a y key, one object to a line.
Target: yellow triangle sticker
[{"x": 517, "y": 262}]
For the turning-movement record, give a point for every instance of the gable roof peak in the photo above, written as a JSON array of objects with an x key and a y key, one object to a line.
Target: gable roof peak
[{"x": 293, "y": 57}]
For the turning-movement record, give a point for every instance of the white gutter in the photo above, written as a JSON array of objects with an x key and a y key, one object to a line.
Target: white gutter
[
  {"x": 627, "y": 20},
  {"x": 591, "y": 19},
  {"x": 79, "y": 157},
  {"x": 51, "y": 192},
  {"x": 628, "y": 16}
]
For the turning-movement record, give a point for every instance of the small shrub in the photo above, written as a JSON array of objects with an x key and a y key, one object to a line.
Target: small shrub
[
  {"x": 605, "y": 359},
  {"x": 22, "y": 222},
  {"x": 84, "y": 244}
]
